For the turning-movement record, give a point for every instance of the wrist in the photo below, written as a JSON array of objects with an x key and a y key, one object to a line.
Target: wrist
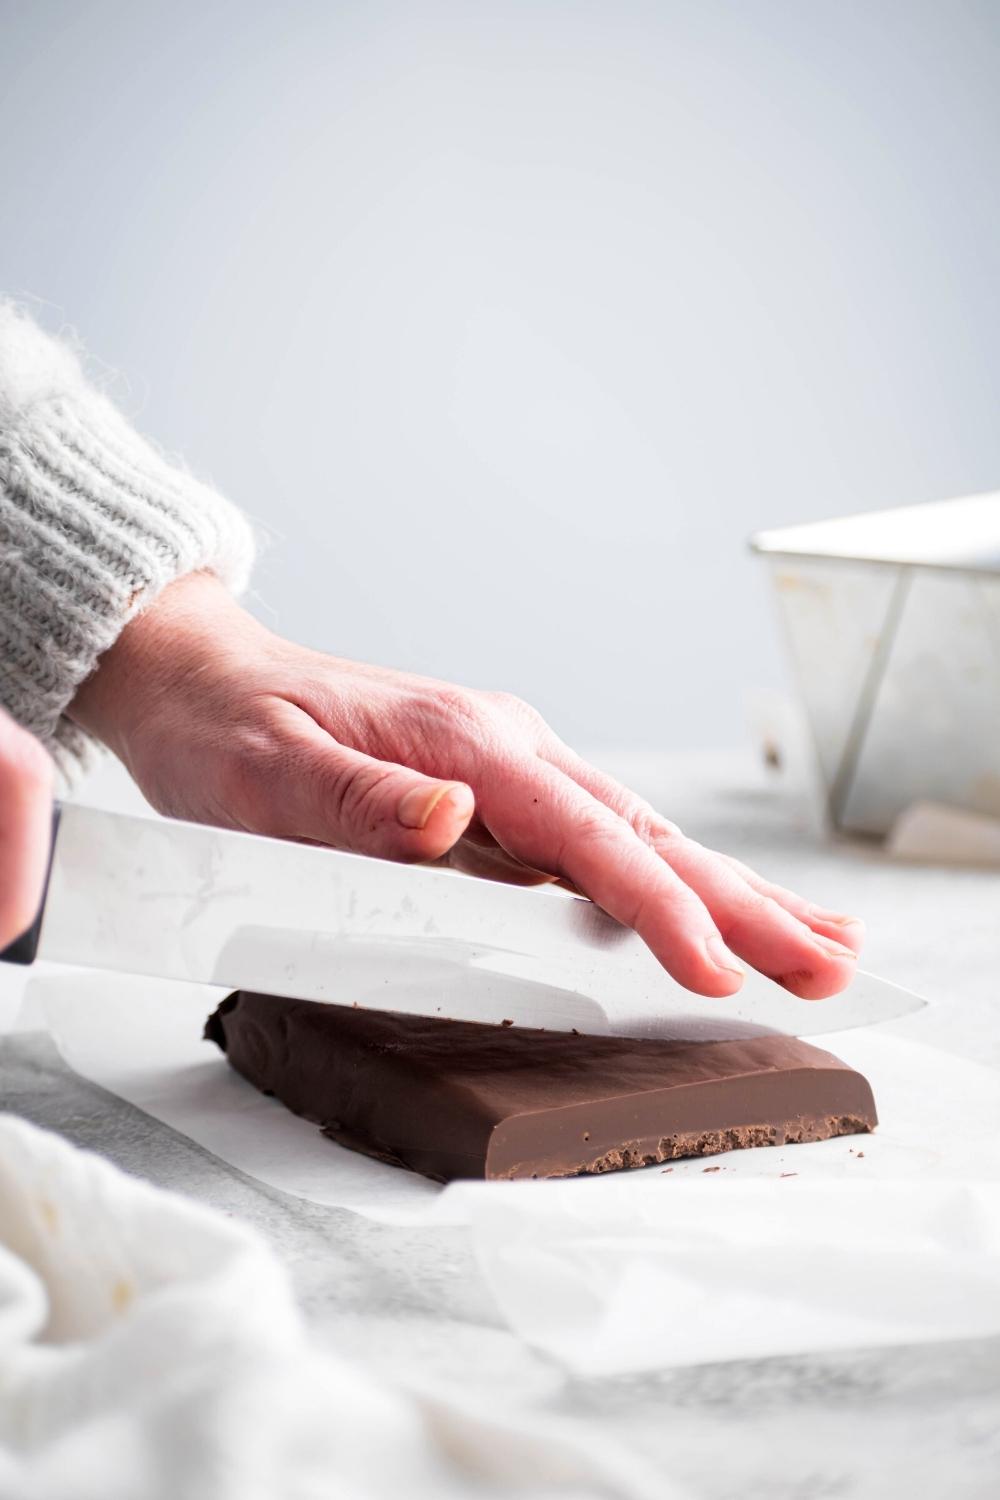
[{"x": 187, "y": 628}]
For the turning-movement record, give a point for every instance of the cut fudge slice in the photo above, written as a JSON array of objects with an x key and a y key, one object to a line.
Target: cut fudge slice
[{"x": 455, "y": 1099}]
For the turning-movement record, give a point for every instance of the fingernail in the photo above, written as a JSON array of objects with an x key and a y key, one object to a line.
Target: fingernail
[
  {"x": 416, "y": 806},
  {"x": 837, "y": 950},
  {"x": 835, "y": 918},
  {"x": 721, "y": 956}
]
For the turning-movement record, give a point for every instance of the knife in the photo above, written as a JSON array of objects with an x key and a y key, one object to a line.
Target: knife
[{"x": 189, "y": 902}]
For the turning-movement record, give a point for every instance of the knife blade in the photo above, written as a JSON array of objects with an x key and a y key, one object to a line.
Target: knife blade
[{"x": 189, "y": 902}]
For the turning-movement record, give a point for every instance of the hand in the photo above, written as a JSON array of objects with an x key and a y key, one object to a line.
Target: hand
[
  {"x": 26, "y": 778},
  {"x": 220, "y": 721}
]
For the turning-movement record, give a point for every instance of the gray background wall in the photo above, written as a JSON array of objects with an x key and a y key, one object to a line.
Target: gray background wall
[{"x": 511, "y": 321}]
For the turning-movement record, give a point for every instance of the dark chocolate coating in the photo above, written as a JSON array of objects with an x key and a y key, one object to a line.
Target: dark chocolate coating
[{"x": 454, "y": 1099}]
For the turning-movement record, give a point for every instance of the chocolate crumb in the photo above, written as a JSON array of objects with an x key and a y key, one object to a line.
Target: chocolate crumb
[
  {"x": 506, "y": 1023},
  {"x": 860, "y": 1155},
  {"x": 711, "y": 1169},
  {"x": 788, "y": 1174},
  {"x": 666, "y": 1169}
]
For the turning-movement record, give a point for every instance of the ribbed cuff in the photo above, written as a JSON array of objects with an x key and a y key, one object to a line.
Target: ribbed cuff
[{"x": 93, "y": 524}]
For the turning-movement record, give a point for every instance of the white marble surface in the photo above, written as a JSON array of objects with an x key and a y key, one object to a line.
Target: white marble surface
[{"x": 410, "y": 1304}]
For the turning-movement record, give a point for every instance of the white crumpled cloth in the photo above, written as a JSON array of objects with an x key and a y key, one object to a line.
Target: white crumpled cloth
[{"x": 150, "y": 1349}]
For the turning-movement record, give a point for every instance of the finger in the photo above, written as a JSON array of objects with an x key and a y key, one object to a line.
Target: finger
[
  {"x": 833, "y": 924},
  {"x": 26, "y": 781},
  {"x": 311, "y": 787},
  {"x": 811, "y": 964},
  {"x": 492, "y": 864},
  {"x": 478, "y": 853},
  {"x": 757, "y": 927},
  {"x": 546, "y": 820}
]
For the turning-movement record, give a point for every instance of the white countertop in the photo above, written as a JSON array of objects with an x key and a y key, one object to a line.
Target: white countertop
[{"x": 410, "y": 1304}]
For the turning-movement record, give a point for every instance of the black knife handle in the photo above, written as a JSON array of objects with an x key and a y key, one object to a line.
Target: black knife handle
[{"x": 24, "y": 949}]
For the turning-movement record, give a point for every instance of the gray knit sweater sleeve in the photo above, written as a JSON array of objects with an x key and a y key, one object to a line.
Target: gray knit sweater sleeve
[{"x": 93, "y": 524}]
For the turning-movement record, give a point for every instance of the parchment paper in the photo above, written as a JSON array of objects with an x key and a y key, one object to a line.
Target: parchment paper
[
  {"x": 710, "y": 1271},
  {"x": 142, "y": 1039},
  {"x": 865, "y": 1240}
]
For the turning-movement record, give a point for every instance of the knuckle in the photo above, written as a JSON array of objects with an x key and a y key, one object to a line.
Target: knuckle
[
  {"x": 440, "y": 731},
  {"x": 748, "y": 908},
  {"x": 658, "y": 832},
  {"x": 456, "y": 702},
  {"x": 446, "y": 711},
  {"x": 356, "y": 797},
  {"x": 510, "y": 706},
  {"x": 753, "y": 905},
  {"x": 589, "y": 833},
  {"x": 599, "y": 826}
]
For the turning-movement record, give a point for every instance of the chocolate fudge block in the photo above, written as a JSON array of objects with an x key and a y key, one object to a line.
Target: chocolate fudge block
[{"x": 454, "y": 1099}]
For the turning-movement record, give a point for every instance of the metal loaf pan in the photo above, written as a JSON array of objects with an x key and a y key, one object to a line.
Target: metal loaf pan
[{"x": 893, "y": 621}]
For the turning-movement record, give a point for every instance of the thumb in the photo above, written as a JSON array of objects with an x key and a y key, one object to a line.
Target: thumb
[{"x": 338, "y": 796}]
